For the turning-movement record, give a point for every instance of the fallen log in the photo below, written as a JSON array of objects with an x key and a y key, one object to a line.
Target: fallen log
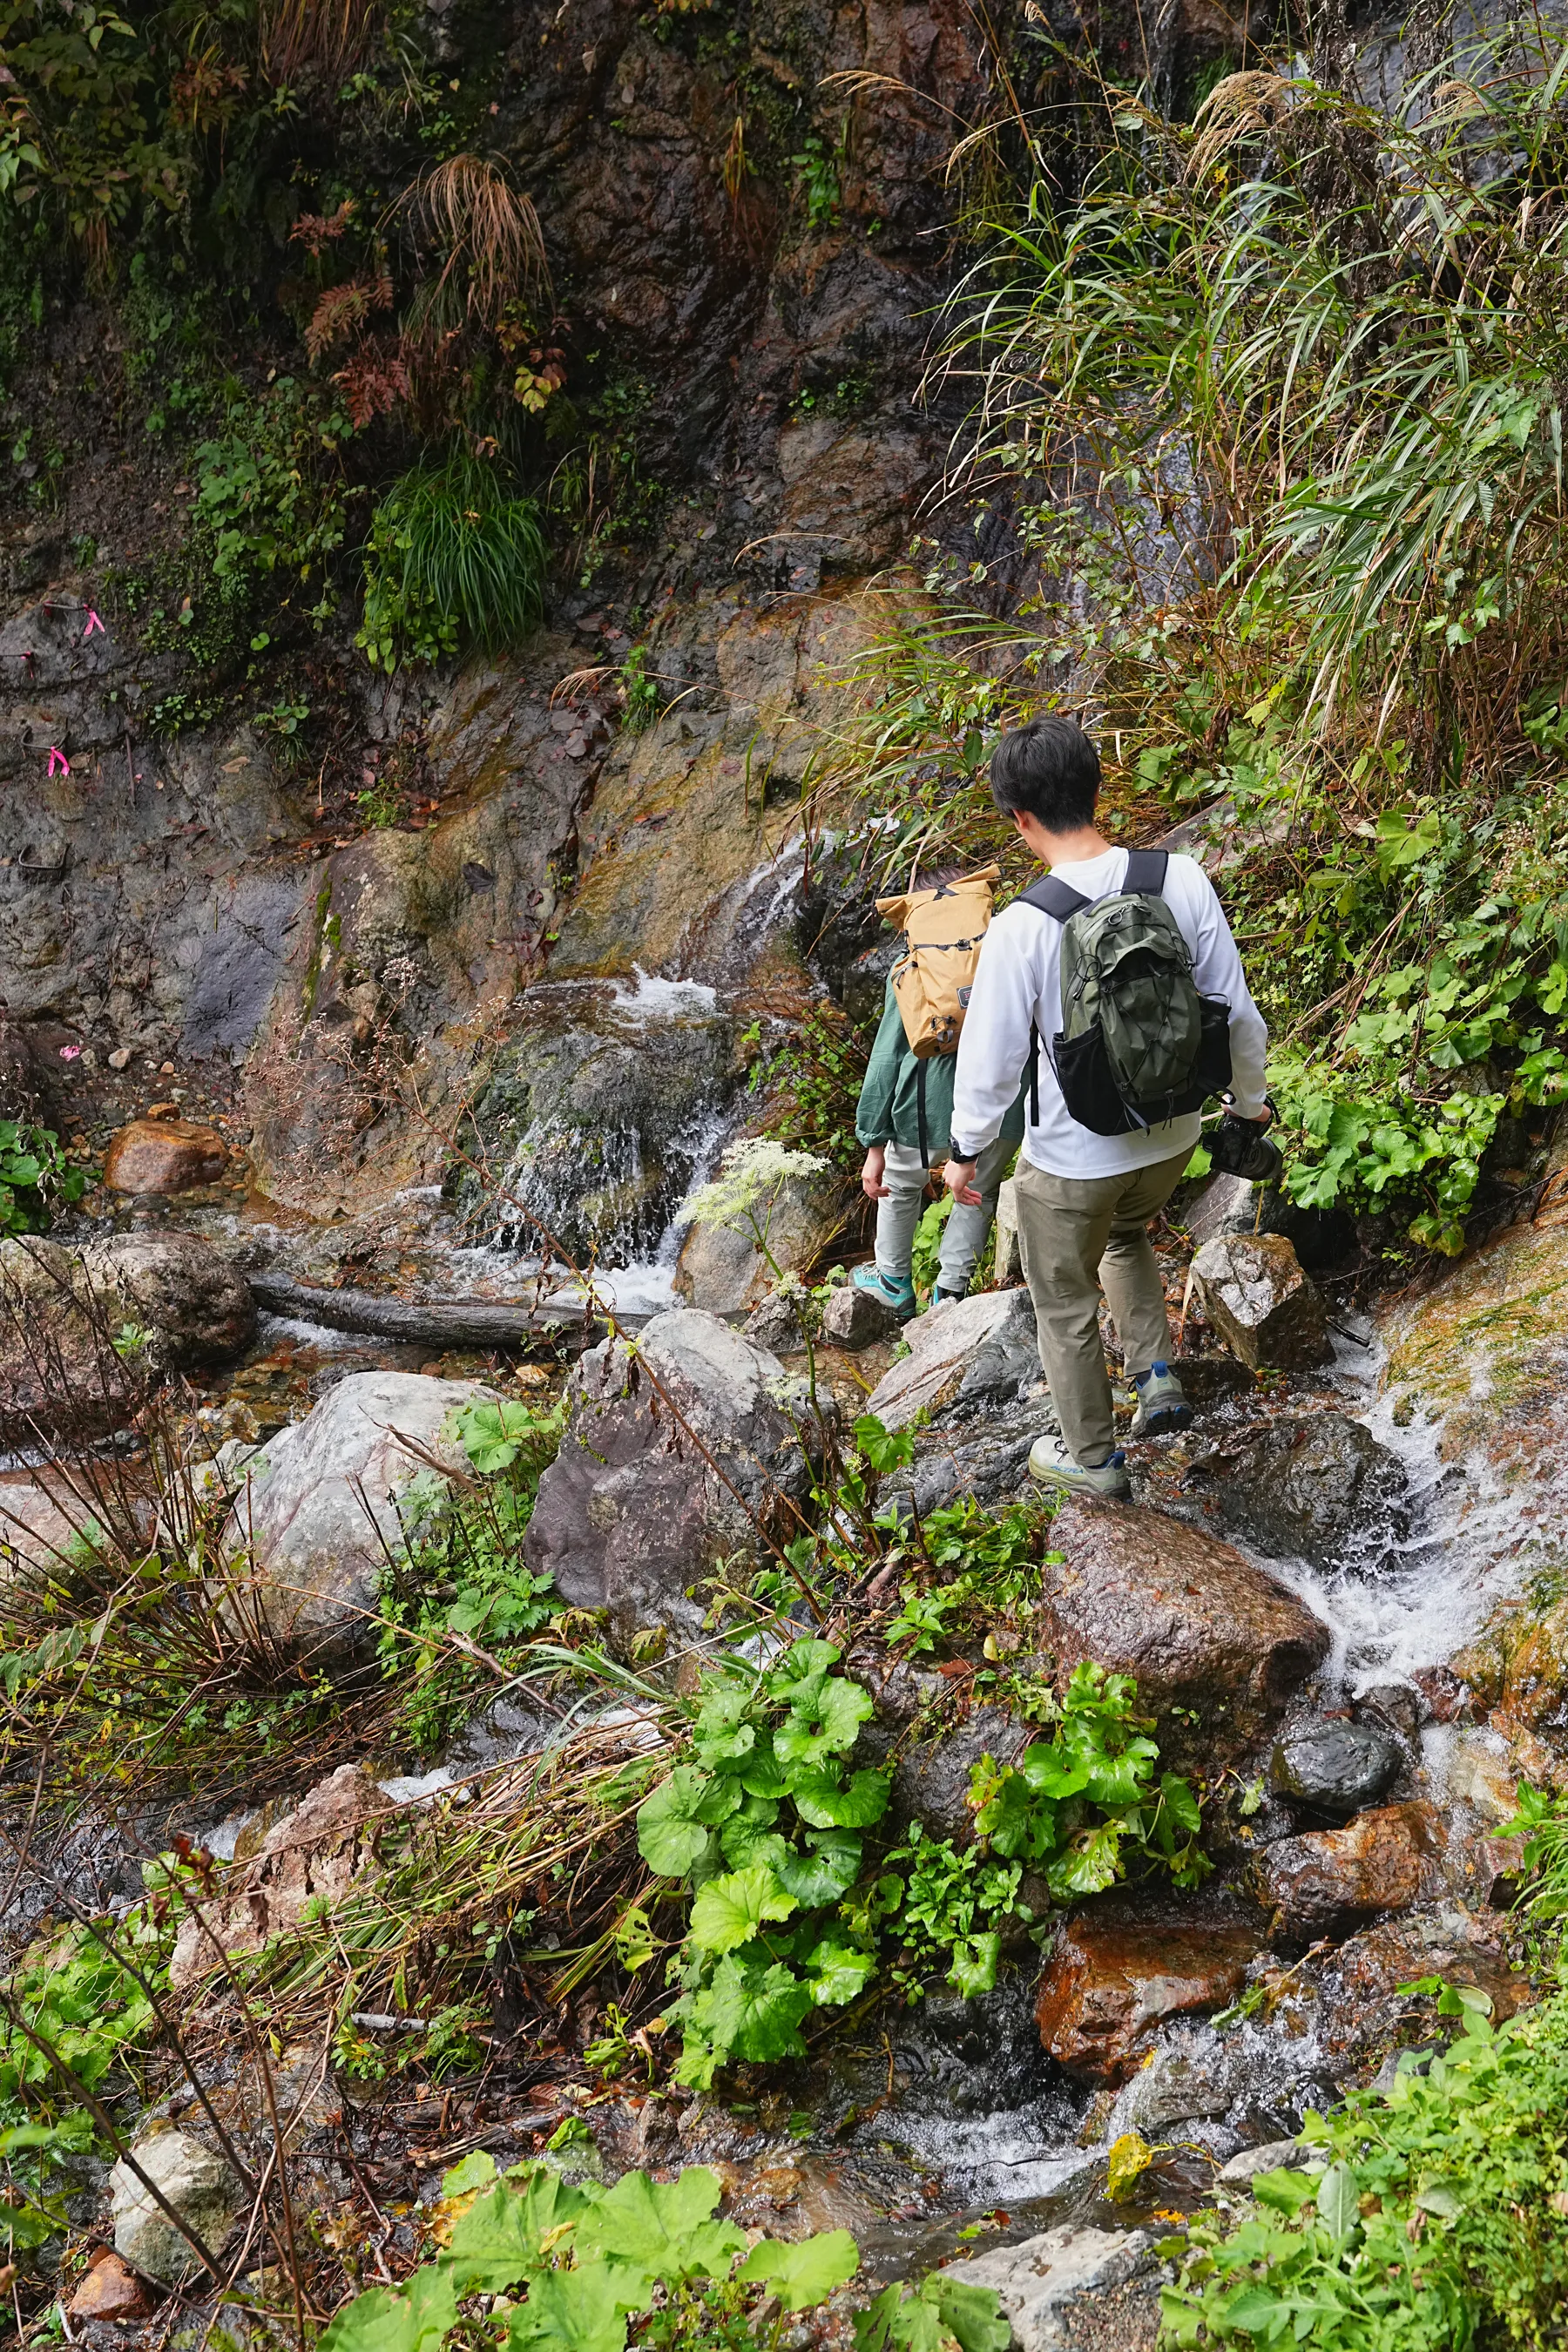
[{"x": 437, "y": 1322}]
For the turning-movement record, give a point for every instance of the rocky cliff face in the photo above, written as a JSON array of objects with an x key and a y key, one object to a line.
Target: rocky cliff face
[{"x": 205, "y": 895}]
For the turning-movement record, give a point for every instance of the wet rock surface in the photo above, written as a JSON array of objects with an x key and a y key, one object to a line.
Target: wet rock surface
[
  {"x": 1314, "y": 1487},
  {"x": 164, "y": 1155},
  {"x": 1335, "y": 1768},
  {"x": 196, "y": 2181},
  {"x": 1199, "y": 1626},
  {"x": 320, "y": 1510},
  {"x": 312, "y": 1855},
  {"x": 1110, "y": 1981},
  {"x": 673, "y": 1457},
  {"x": 728, "y": 1272},
  {"x": 1041, "y": 2281},
  {"x": 1267, "y": 1311},
  {"x": 1384, "y": 1860}
]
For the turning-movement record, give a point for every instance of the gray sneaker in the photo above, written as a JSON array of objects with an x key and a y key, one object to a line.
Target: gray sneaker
[
  {"x": 1050, "y": 1465},
  {"x": 1161, "y": 1404}
]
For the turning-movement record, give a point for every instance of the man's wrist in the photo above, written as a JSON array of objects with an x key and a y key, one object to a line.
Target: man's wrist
[{"x": 956, "y": 1153}]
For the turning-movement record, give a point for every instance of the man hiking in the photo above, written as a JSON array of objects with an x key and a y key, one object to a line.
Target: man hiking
[{"x": 1136, "y": 1038}]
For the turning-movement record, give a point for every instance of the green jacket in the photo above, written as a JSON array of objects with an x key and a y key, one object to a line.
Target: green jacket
[{"x": 888, "y": 1110}]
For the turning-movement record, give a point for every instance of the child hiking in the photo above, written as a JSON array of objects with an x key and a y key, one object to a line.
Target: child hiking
[
  {"x": 1115, "y": 983},
  {"x": 905, "y": 1113}
]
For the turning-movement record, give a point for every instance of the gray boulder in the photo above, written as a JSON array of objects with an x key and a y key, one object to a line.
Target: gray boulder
[
  {"x": 62, "y": 1312},
  {"x": 966, "y": 1356},
  {"x": 196, "y": 2181},
  {"x": 681, "y": 1449},
  {"x": 1252, "y": 1288},
  {"x": 721, "y": 1269},
  {"x": 1335, "y": 1768},
  {"x": 326, "y": 1499},
  {"x": 854, "y": 1319},
  {"x": 1040, "y": 2280},
  {"x": 1316, "y": 1486}
]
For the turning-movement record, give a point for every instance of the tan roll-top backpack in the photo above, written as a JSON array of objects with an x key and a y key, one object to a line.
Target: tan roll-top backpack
[{"x": 943, "y": 930}]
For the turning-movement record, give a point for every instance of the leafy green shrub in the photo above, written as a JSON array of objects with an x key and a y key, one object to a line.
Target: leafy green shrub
[
  {"x": 1437, "y": 2223},
  {"x": 454, "y": 559},
  {"x": 791, "y": 1908},
  {"x": 268, "y": 490},
  {"x": 577, "y": 2266},
  {"x": 34, "y": 1175},
  {"x": 461, "y": 1576}
]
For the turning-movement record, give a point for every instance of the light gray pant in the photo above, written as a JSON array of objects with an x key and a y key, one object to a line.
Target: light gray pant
[
  {"x": 904, "y": 1173},
  {"x": 1081, "y": 1234}
]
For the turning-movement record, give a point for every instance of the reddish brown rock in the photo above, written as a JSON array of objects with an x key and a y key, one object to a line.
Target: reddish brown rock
[
  {"x": 110, "y": 2290},
  {"x": 1110, "y": 1983},
  {"x": 1197, "y": 1625},
  {"x": 163, "y": 1155},
  {"x": 1383, "y": 1861},
  {"x": 1360, "y": 2014}
]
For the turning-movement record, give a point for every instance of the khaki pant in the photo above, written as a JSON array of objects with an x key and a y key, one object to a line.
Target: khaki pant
[{"x": 1078, "y": 1236}]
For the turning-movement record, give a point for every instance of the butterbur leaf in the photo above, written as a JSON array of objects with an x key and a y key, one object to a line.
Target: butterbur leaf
[
  {"x": 669, "y": 1836},
  {"x": 806, "y": 2274},
  {"x": 731, "y": 1910},
  {"x": 661, "y": 2229},
  {"x": 1050, "y": 1773},
  {"x": 840, "y": 1972},
  {"x": 1120, "y": 1780},
  {"x": 758, "y": 1771},
  {"x": 574, "y": 2311},
  {"x": 499, "y": 2240},
  {"x": 822, "y": 1873},
  {"x": 1338, "y": 2199},
  {"x": 411, "y": 2318},
  {"x": 824, "y": 1803},
  {"x": 753, "y": 2012},
  {"x": 1091, "y": 1863},
  {"x": 721, "y": 1735},
  {"x": 748, "y": 1837},
  {"x": 825, "y": 1725},
  {"x": 973, "y": 1964},
  {"x": 798, "y": 1674}
]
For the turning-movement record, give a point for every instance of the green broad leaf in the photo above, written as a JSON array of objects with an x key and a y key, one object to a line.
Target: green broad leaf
[
  {"x": 500, "y": 2239},
  {"x": 753, "y": 2012},
  {"x": 1121, "y": 1780},
  {"x": 1091, "y": 1865},
  {"x": 575, "y": 2311},
  {"x": 1285, "y": 2192},
  {"x": 824, "y": 1803},
  {"x": 973, "y": 2314},
  {"x": 1439, "y": 2199},
  {"x": 806, "y": 2272},
  {"x": 1182, "y": 1805},
  {"x": 839, "y": 1972},
  {"x": 749, "y": 1836},
  {"x": 722, "y": 1735},
  {"x": 661, "y": 2229},
  {"x": 973, "y": 1967},
  {"x": 1254, "y": 2308},
  {"x": 758, "y": 1772},
  {"x": 826, "y": 1726},
  {"x": 828, "y": 1868},
  {"x": 1339, "y": 2200},
  {"x": 797, "y": 1677},
  {"x": 410, "y": 2319},
  {"x": 636, "y": 1942},
  {"x": 1050, "y": 1773},
  {"x": 670, "y": 1838},
  {"x": 731, "y": 1910},
  {"x": 475, "y": 2170}
]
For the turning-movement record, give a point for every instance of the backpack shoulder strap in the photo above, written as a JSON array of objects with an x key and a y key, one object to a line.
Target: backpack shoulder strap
[
  {"x": 1057, "y": 899},
  {"x": 1145, "y": 873}
]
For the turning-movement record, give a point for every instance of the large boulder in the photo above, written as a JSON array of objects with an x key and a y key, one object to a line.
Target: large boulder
[
  {"x": 1112, "y": 1981},
  {"x": 1383, "y": 1861},
  {"x": 81, "y": 1330},
  {"x": 192, "y": 2178},
  {"x": 1199, "y": 1627},
  {"x": 681, "y": 1449},
  {"x": 1252, "y": 1288},
  {"x": 979, "y": 1351},
  {"x": 312, "y": 1856},
  {"x": 721, "y": 1269},
  {"x": 1313, "y": 1486},
  {"x": 1041, "y": 2281},
  {"x": 163, "y": 1155},
  {"x": 324, "y": 1502},
  {"x": 1335, "y": 1768}
]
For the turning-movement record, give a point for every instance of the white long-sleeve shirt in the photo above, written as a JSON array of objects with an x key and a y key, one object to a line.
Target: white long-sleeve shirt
[{"x": 1018, "y": 982}]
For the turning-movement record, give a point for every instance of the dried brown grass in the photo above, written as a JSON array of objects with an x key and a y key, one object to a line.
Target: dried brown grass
[{"x": 486, "y": 232}]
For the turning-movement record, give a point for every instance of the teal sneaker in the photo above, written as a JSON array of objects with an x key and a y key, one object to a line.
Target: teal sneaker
[
  {"x": 1050, "y": 1465},
  {"x": 1161, "y": 1404},
  {"x": 898, "y": 1295}
]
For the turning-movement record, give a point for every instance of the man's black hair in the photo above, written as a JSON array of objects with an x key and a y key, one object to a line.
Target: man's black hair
[{"x": 1048, "y": 770}]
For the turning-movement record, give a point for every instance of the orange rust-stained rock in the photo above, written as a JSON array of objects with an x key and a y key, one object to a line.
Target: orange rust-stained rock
[
  {"x": 163, "y": 1155},
  {"x": 110, "y": 2290},
  {"x": 1196, "y": 1623},
  {"x": 1111, "y": 1982},
  {"x": 1383, "y": 1861}
]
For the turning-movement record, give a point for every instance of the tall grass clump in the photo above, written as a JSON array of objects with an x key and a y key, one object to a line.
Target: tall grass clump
[
  {"x": 1264, "y": 413},
  {"x": 454, "y": 558}
]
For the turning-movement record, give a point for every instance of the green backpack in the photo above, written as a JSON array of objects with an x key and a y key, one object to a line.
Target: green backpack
[{"x": 1138, "y": 1044}]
